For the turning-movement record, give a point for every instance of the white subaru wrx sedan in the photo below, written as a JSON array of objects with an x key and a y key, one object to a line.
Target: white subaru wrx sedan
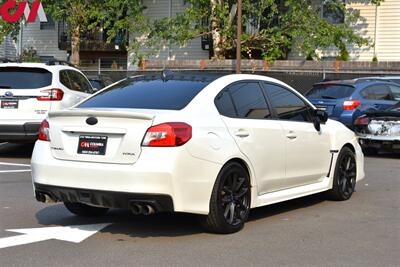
[{"x": 211, "y": 145}]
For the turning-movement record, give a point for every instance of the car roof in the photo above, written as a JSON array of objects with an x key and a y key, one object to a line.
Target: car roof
[
  {"x": 357, "y": 83},
  {"x": 181, "y": 76},
  {"x": 37, "y": 65},
  {"x": 380, "y": 78}
]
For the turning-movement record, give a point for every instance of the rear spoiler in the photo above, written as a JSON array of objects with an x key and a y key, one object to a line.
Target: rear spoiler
[
  {"x": 383, "y": 114},
  {"x": 101, "y": 113}
]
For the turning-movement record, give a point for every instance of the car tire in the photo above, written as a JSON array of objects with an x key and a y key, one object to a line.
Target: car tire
[
  {"x": 370, "y": 151},
  {"x": 230, "y": 201},
  {"x": 344, "y": 180},
  {"x": 84, "y": 210}
]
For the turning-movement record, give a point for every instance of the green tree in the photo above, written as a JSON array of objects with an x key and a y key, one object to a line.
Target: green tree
[
  {"x": 85, "y": 15},
  {"x": 272, "y": 28}
]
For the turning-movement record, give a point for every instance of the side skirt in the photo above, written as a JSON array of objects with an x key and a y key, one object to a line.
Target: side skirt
[{"x": 292, "y": 193}]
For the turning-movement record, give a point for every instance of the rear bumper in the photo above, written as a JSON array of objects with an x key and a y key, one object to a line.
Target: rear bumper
[
  {"x": 109, "y": 199},
  {"x": 187, "y": 180},
  {"x": 27, "y": 132},
  {"x": 380, "y": 142}
]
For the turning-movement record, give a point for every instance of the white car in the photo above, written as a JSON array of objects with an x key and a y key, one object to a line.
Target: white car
[
  {"x": 208, "y": 145},
  {"x": 28, "y": 91}
]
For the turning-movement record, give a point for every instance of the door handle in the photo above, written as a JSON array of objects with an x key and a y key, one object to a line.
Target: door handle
[
  {"x": 242, "y": 134},
  {"x": 291, "y": 135}
]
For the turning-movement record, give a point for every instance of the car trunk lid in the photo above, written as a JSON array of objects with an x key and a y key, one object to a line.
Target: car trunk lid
[
  {"x": 23, "y": 104},
  {"x": 20, "y": 90},
  {"x": 327, "y": 105},
  {"x": 384, "y": 123},
  {"x": 98, "y": 135}
]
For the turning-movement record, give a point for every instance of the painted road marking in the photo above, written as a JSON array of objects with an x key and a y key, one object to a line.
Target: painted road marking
[
  {"x": 2, "y": 144},
  {"x": 14, "y": 164},
  {"x": 15, "y": 171},
  {"x": 74, "y": 234}
]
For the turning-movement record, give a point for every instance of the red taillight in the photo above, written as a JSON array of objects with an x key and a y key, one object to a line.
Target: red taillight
[
  {"x": 351, "y": 104},
  {"x": 52, "y": 95},
  {"x": 44, "y": 131},
  {"x": 168, "y": 135},
  {"x": 361, "y": 121}
]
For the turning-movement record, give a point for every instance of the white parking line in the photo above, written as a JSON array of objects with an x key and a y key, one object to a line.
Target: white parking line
[
  {"x": 15, "y": 171},
  {"x": 14, "y": 164}
]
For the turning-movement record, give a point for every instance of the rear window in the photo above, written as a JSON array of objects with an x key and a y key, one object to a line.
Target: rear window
[
  {"x": 330, "y": 91},
  {"x": 24, "y": 78},
  {"x": 142, "y": 93}
]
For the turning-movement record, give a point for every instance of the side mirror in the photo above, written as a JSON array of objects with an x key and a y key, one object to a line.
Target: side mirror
[{"x": 321, "y": 115}]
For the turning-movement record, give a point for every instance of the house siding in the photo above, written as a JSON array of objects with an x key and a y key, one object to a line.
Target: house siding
[
  {"x": 387, "y": 23},
  {"x": 8, "y": 48},
  {"x": 388, "y": 31},
  {"x": 44, "y": 41},
  {"x": 192, "y": 50}
]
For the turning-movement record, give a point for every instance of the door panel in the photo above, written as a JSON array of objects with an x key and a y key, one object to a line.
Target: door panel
[
  {"x": 247, "y": 116},
  {"x": 263, "y": 142},
  {"x": 307, "y": 153}
]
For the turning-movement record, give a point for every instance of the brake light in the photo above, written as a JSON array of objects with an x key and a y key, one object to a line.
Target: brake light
[
  {"x": 168, "y": 135},
  {"x": 361, "y": 121},
  {"x": 44, "y": 134},
  {"x": 52, "y": 95},
  {"x": 351, "y": 104}
]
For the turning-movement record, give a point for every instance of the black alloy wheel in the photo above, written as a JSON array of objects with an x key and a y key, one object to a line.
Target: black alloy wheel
[
  {"x": 230, "y": 200},
  {"x": 344, "y": 182}
]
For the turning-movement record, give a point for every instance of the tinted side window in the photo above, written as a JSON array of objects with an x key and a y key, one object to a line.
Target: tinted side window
[
  {"x": 395, "y": 92},
  {"x": 288, "y": 105},
  {"x": 78, "y": 82},
  {"x": 249, "y": 101},
  {"x": 87, "y": 88},
  {"x": 225, "y": 105},
  {"x": 64, "y": 79},
  {"x": 377, "y": 92}
]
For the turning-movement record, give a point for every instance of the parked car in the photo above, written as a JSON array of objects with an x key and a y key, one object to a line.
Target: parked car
[
  {"x": 345, "y": 101},
  {"x": 379, "y": 130},
  {"x": 28, "y": 91},
  {"x": 395, "y": 79},
  {"x": 208, "y": 145},
  {"x": 99, "y": 82}
]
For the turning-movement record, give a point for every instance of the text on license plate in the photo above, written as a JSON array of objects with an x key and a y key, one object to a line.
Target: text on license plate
[
  {"x": 92, "y": 145},
  {"x": 9, "y": 104}
]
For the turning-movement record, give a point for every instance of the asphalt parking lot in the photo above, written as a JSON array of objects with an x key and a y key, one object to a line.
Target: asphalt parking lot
[{"x": 310, "y": 231}]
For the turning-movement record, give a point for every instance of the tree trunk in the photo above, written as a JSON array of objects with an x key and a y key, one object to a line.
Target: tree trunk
[
  {"x": 219, "y": 52},
  {"x": 75, "y": 45}
]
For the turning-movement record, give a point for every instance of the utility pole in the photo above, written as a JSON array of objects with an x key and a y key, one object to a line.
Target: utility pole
[{"x": 239, "y": 37}]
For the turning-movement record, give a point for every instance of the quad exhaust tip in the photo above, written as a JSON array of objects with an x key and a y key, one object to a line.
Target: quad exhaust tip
[
  {"x": 45, "y": 198},
  {"x": 140, "y": 209}
]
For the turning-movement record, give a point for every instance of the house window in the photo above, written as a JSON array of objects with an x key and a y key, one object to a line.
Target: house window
[
  {"x": 49, "y": 25},
  {"x": 332, "y": 11}
]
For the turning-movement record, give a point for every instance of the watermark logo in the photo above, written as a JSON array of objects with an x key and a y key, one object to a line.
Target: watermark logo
[{"x": 12, "y": 12}]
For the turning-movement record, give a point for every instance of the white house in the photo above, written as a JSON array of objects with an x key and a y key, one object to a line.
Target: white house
[
  {"x": 381, "y": 25},
  {"x": 169, "y": 8},
  {"x": 8, "y": 48},
  {"x": 43, "y": 37}
]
